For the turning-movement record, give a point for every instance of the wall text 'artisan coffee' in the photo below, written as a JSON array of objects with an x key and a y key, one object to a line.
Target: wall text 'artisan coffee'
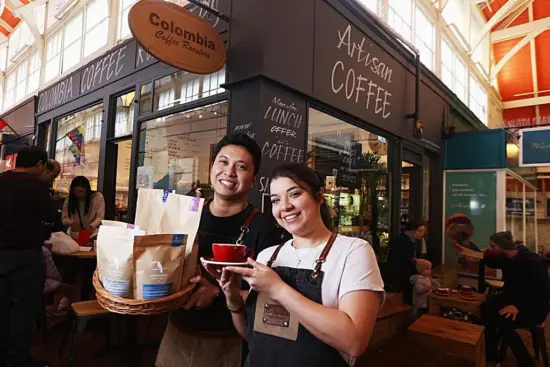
[{"x": 177, "y": 37}]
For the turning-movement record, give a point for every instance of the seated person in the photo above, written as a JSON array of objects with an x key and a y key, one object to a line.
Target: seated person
[
  {"x": 53, "y": 283},
  {"x": 423, "y": 285},
  {"x": 522, "y": 302}
]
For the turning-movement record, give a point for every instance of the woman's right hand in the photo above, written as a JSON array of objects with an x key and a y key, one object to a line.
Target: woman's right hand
[{"x": 229, "y": 282}]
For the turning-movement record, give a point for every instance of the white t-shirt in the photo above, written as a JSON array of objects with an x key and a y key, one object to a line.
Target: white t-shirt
[{"x": 350, "y": 266}]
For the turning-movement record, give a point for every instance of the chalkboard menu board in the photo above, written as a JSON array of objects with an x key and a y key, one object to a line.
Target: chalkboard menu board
[{"x": 282, "y": 133}]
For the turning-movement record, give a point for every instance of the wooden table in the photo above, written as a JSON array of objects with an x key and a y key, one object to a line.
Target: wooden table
[
  {"x": 449, "y": 338},
  {"x": 79, "y": 254},
  {"x": 455, "y": 301},
  {"x": 85, "y": 267}
]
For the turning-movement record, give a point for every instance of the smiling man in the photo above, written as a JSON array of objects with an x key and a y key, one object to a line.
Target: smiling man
[{"x": 202, "y": 334}]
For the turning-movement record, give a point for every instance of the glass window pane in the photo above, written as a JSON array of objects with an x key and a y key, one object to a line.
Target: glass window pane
[
  {"x": 353, "y": 165},
  {"x": 96, "y": 38},
  {"x": 96, "y": 12},
  {"x": 10, "y": 90},
  {"x": 71, "y": 55},
  {"x": 124, "y": 121},
  {"x": 179, "y": 148},
  {"x": 73, "y": 30},
  {"x": 21, "y": 88},
  {"x": 447, "y": 55},
  {"x": 77, "y": 146},
  {"x": 124, "y": 29},
  {"x": 372, "y": 5},
  {"x": 124, "y": 157}
]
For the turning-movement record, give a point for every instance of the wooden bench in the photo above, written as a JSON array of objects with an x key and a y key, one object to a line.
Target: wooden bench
[
  {"x": 83, "y": 313},
  {"x": 444, "y": 338},
  {"x": 393, "y": 317}
]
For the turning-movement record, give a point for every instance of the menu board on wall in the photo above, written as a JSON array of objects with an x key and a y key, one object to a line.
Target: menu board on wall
[
  {"x": 474, "y": 195},
  {"x": 534, "y": 146},
  {"x": 282, "y": 134},
  {"x": 355, "y": 74},
  {"x": 515, "y": 207}
]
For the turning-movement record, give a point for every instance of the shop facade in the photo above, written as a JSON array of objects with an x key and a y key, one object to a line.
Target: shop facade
[
  {"x": 18, "y": 132},
  {"x": 315, "y": 82}
]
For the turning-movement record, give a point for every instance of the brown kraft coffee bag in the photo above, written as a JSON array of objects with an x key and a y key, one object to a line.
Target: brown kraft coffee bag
[{"x": 158, "y": 265}]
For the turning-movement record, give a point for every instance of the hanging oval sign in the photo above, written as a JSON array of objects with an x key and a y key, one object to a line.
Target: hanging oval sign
[{"x": 176, "y": 36}]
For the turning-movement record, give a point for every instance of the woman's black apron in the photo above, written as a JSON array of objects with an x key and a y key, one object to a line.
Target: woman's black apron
[{"x": 282, "y": 342}]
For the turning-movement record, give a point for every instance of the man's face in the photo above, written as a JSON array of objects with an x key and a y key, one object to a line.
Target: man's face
[
  {"x": 495, "y": 249},
  {"x": 420, "y": 232},
  {"x": 49, "y": 176},
  {"x": 232, "y": 173}
]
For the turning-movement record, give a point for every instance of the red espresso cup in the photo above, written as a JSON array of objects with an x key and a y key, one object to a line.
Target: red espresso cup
[{"x": 231, "y": 253}]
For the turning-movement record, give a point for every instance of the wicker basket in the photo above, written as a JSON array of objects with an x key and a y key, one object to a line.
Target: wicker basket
[{"x": 128, "y": 306}]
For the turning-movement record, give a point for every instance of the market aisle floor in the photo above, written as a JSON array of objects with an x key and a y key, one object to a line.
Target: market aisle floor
[{"x": 93, "y": 341}]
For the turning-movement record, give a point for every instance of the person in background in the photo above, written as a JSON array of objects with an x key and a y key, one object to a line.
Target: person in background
[
  {"x": 327, "y": 287},
  {"x": 405, "y": 252},
  {"x": 522, "y": 303},
  {"x": 202, "y": 333},
  {"x": 50, "y": 174},
  {"x": 84, "y": 209},
  {"x": 423, "y": 285},
  {"x": 25, "y": 207}
]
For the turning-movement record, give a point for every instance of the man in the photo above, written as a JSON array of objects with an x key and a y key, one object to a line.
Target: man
[
  {"x": 202, "y": 334},
  {"x": 52, "y": 170},
  {"x": 404, "y": 253},
  {"x": 523, "y": 301},
  {"x": 25, "y": 207},
  {"x": 50, "y": 174}
]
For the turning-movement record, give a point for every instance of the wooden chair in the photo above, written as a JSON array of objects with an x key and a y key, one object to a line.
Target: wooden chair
[
  {"x": 447, "y": 338},
  {"x": 538, "y": 338},
  {"x": 83, "y": 313}
]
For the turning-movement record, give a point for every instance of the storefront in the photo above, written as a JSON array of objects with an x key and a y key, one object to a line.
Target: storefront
[
  {"x": 17, "y": 133},
  {"x": 332, "y": 90}
]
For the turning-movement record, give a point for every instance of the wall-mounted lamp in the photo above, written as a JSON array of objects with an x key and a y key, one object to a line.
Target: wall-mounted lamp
[{"x": 512, "y": 150}]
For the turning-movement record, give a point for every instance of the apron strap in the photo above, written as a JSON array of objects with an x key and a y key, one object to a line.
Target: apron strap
[
  {"x": 323, "y": 257},
  {"x": 275, "y": 254},
  {"x": 246, "y": 225}
]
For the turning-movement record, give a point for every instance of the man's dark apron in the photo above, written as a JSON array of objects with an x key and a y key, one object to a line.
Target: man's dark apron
[
  {"x": 275, "y": 337},
  {"x": 182, "y": 347}
]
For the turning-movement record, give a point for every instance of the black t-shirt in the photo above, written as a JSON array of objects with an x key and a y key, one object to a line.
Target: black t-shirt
[
  {"x": 26, "y": 209},
  {"x": 263, "y": 233}
]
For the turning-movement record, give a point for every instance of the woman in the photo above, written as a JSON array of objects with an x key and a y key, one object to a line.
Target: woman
[
  {"x": 84, "y": 209},
  {"x": 314, "y": 299}
]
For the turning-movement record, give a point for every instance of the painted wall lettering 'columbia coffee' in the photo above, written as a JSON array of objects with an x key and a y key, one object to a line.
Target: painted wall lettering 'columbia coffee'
[
  {"x": 177, "y": 37},
  {"x": 355, "y": 74}
]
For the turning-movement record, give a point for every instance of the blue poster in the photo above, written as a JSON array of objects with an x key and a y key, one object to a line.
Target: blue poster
[{"x": 535, "y": 147}]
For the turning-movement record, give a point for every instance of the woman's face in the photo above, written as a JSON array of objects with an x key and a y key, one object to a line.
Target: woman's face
[
  {"x": 232, "y": 172},
  {"x": 80, "y": 192},
  {"x": 294, "y": 208}
]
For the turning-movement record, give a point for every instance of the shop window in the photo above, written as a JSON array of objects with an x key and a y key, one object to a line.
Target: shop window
[
  {"x": 34, "y": 72},
  {"x": 10, "y": 90},
  {"x": 453, "y": 71},
  {"x": 97, "y": 26},
  {"x": 123, "y": 28},
  {"x": 77, "y": 146},
  {"x": 122, "y": 179},
  {"x": 53, "y": 56},
  {"x": 72, "y": 42},
  {"x": 400, "y": 17},
  {"x": 425, "y": 38},
  {"x": 20, "y": 89},
  {"x": 176, "y": 151},
  {"x": 353, "y": 163},
  {"x": 211, "y": 83},
  {"x": 183, "y": 87},
  {"x": 478, "y": 100},
  {"x": 125, "y": 107},
  {"x": 145, "y": 100}
]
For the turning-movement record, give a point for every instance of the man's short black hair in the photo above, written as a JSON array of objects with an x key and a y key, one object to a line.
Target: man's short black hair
[
  {"x": 30, "y": 156},
  {"x": 241, "y": 140}
]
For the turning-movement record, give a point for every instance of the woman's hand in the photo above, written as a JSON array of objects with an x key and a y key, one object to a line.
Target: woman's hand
[
  {"x": 75, "y": 227},
  {"x": 230, "y": 283},
  {"x": 261, "y": 278}
]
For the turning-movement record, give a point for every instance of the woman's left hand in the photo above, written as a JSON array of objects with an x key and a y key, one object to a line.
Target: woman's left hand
[{"x": 261, "y": 278}]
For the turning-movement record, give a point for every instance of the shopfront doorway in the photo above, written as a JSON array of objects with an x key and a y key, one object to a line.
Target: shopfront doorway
[{"x": 411, "y": 193}]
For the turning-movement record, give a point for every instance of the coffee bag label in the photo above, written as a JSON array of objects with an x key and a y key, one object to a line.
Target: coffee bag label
[
  {"x": 194, "y": 204},
  {"x": 165, "y": 194}
]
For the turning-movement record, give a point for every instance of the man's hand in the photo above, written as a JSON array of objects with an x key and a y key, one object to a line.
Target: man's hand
[
  {"x": 204, "y": 295},
  {"x": 508, "y": 311}
]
